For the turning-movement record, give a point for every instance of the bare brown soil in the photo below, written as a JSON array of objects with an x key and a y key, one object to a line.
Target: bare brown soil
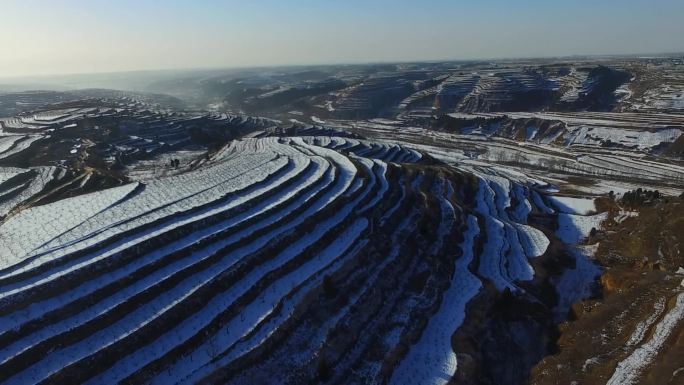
[{"x": 640, "y": 255}]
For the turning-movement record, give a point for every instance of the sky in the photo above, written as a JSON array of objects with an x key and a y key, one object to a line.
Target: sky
[{"x": 40, "y": 37}]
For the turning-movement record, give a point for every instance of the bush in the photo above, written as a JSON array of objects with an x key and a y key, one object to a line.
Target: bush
[{"x": 640, "y": 197}]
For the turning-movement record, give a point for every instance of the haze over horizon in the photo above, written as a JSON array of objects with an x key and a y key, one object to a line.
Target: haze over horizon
[{"x": 76, "y": 36}]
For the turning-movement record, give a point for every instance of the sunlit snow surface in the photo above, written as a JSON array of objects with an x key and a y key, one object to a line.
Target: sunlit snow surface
[
  {"x": 251, "y": 194},
  {"x": 432, "y": 360}
]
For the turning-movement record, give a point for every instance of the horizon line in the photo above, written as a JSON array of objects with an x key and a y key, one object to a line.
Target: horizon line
[{"x": 642, "y": 55}]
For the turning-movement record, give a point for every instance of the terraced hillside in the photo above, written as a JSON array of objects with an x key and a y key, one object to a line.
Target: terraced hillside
[
  {"x": 438, "y": 223},
  {"x": 117, "y": 130},
  {"x": 311, "y": 258},
  {"x": 592, "y": 153}
]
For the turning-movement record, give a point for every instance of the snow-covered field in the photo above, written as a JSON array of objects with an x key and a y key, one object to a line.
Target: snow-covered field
[
  {"x": 609, "y": 150},
  {"x": 573, "y": 205},
  {"x": 180, "y": 276},
  {"x": 509, "y": 244},
  {"x": 432, "y": 360},
  {"x": 120, "y": 265},
  {"x": 574, "y": 228},
  {"x": 281, "y": 255}
]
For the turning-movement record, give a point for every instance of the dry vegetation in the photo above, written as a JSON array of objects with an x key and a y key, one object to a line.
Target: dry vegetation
[{"x": 641, "y": 256}]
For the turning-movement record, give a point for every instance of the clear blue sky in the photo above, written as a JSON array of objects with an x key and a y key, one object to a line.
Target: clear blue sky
[{"x": 76, "y": 36}]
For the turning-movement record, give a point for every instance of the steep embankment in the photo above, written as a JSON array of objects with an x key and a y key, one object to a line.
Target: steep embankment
[{"x": 634, "y": 334}]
